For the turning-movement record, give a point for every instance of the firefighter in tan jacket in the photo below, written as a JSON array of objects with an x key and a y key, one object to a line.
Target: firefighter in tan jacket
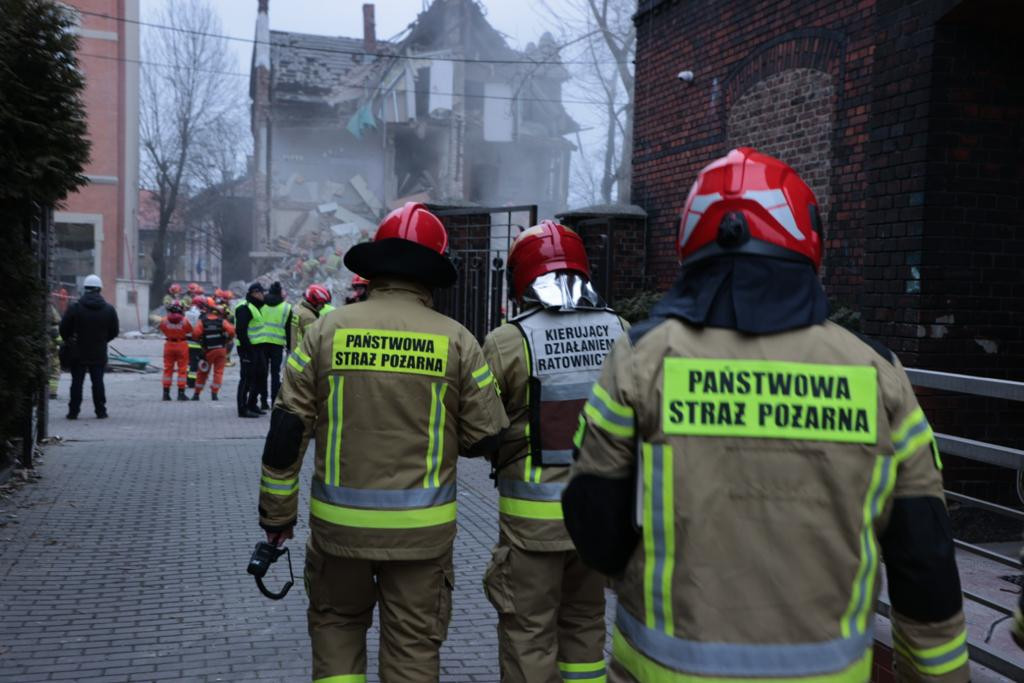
[
  {"x": 550, "y": 605},
  {"x": 392, "y": 392},
  {"x": 769, "y": 458}
]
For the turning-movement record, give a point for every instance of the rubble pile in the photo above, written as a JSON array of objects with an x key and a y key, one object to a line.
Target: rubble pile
[{"x": 314, "y": 251}]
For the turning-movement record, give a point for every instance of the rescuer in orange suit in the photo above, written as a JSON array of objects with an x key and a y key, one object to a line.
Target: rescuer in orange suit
[
  {"x": 176, "y": 330},
  {"x": 213, "y": 333}
]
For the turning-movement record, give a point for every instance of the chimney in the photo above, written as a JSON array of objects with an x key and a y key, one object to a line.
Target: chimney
[{"x": 369, "y": 29}]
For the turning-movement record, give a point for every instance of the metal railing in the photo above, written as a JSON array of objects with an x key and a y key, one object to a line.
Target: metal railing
[{"x": 992, "y": 454}]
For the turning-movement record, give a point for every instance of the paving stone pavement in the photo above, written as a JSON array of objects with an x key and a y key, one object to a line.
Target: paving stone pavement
[{"x": 126, "y": 560}]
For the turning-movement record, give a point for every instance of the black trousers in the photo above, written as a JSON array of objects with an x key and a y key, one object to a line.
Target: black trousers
[
  {"x": 253, "y": 375},
  {"x": 274, "y": 355},
  {"x": 194, "y": 356},
  {"x": 99, "y": 393}
]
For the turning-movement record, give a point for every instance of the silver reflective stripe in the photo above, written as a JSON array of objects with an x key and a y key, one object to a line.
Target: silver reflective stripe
[
  {"x": 917, "y": 429},
  {"x": 582, "y": 675},
  {"x": 735, "y": 659},
  {"x": 513, "y": 488},
  {"x": 556, "y": 457},
  {"x": 400, "y": 499},
  {"x": 283, "y": 488},
  {"x": 656, "y": 493},
  {"x": 607, "y": 413},
  {"x": 566, "y": 392}
]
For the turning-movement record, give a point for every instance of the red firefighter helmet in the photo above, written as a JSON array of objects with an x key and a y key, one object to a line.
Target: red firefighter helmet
[
  {"x": 193, "y": 288},
  {"x": 545, "y": 248},
  {"x": 318, "y": 295},
  {"x": 174, "y": 307},
  {"x": 199, "y": 301},
  {"x": 750, "y": 203},
  {"x": 174, "y": 289},
  {"x": 411, "y": 243},
  {"x": 360, "y": 281}
]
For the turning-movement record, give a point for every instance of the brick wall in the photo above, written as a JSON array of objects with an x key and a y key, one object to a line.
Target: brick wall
[
  {"x": 924, "y": 234},
  {"x": 743, "y": 54},
  {"x": 789, "y": 115}
]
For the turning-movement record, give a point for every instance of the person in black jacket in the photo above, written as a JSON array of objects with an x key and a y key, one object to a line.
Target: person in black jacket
[
  {"x": 253, "y": 366},
  {"x": 86, "y": 327}
]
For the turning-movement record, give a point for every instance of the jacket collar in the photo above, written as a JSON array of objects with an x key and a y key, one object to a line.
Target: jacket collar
[{"x": 385, "y": 287}]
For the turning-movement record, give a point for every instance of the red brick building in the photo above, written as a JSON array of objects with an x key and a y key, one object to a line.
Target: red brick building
[
  {"x": 907, "y": 119},
  {"x": 96, "y": 227}
]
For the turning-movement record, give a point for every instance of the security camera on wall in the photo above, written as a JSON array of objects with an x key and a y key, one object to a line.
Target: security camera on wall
[{"x": 685, "y": 76}]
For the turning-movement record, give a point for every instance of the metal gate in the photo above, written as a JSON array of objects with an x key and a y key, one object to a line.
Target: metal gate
[{"x": 479, "y": 239}]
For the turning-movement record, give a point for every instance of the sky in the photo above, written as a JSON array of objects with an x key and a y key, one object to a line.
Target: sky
[{"x": 522, "y": 22}]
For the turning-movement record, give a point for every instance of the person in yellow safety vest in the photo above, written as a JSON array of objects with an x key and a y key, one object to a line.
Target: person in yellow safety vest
[
  {"x": 770, "y": 459},
  {"x": 393, "y": 392},
  {"x": 545, "y": 360},
  {"x": 197, "y": 306},
  {"x": 274, "y": 337},
  {"x": 315, "y": 302},
  {"x": 249, "y": 331}
]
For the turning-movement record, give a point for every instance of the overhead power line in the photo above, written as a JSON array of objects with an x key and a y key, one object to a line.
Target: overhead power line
[
  {"x": 242, "y": 75},
  {"x": 354, "y": 53}
]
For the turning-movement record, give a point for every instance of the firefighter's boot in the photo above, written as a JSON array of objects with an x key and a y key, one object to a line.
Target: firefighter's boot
[
  {"x": 181, "y": 395},
  {"x": 167, "y": 394},
  {"x": 195, "y": 396}
]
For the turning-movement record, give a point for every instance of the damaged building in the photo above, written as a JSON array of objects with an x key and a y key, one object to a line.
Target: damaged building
[{"x": 347, "y": 128}]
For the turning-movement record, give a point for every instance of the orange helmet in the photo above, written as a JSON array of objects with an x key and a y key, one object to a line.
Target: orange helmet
[
  {"x": 193, "y": 287},
  {"x": 411, "y": 243},
  {"x": 545, "y": 248},
  {"x": 750, "y": 203},
  {"x": 211, "y": 302}
]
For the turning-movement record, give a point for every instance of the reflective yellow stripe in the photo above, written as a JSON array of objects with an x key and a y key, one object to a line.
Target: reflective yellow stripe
[
  {"x": 298, "y": 360},
  {"x": 591, "y": 672},
  {"x": 937, "y": 660},
  {"x": 617, "y": 430},
  {"x": 335, "y": 422},
  {"x": 435, "y": 435},
  {"x": 612, "y": 404},
  {"x": 658, "y": 536},
  {"x": 482, "y": 376},
  {"x": 883, "y": 478},
  {"x": 343, "y": 678},
  {"x": 577, "y": 438},
  {"x": 279, "y": 487},
  {"x": 645, "y": 669},
  {"x": 365, "y": 518},
  {"x": 530, "y": 509}
]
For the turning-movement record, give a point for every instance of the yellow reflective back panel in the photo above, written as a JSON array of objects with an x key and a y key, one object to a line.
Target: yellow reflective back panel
[
  {"x": 770, "y": 399},
  {"x": 390, "y": 351}
]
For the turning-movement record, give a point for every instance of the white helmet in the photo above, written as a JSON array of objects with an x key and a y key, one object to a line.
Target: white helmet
[{"x": 93, "y": 281}]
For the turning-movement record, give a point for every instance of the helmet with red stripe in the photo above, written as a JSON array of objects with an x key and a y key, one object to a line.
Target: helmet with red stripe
[
  {"x": 318, "y": 295},
  {"x": 750, "y": 203}
]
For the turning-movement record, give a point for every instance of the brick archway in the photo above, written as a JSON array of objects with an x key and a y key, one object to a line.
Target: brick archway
[{"x": 790, "y": 115}]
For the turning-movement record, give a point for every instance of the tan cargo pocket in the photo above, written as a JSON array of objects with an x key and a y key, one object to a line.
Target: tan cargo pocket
[
  {"x": 497, "y": 581},
  {"x": 312, "y": 571}
]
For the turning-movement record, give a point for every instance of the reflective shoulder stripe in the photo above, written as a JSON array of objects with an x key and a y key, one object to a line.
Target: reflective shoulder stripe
[
  {"x": 364, "y": 518},
  {"x": 530, "y": 509},
  {"x": 583, "y": 671},
  {"x": 913, "y": 433},
  {"x": 651, "y": 655},
  {"x": 298, "y": 360},
  {"x": 608, "y": 414},
  {"x": 577, "y": 438},
  {"x": 934, "y": 661},
  {"x": 279, "y": 487},
  {"x": 482, "y": 376}
]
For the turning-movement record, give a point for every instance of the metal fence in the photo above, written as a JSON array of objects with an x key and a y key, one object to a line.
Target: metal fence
[
  {"x": 992, "y": 454},
  {"x": 479, "y": 239}
]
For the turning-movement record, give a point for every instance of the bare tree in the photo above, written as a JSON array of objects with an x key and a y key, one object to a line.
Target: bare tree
[
  {"x": 192, "y": 115},
  {"x": 599, "y": 40}
]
